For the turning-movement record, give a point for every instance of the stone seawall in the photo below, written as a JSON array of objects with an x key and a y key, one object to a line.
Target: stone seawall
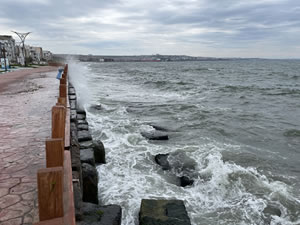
[{"x": 86, "y": 154}]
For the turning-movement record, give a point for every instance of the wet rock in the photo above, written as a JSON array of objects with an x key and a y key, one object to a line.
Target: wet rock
[
  {"x": 86, "y": 144},
  {"x": 155, "y": 135},
  {"x": 96, "y": 107},
  {"x": 72, "y": 104},
  {"x": 185, "y": 181},
  {"x": 87, "y": 156},
  {"x": 81, "y": 111},
  {"x": 82, "y": 122},
  {"x": 89, "y": 183},
  {"x": 162, "y": 160},
  {"x": 99, "y": 152},
  {"x": 84, "y": 135},
  {"x": 272, "y": 210},
  {"x": 100, "y": 215},
  {"x": 72, "y": 97},
  {"x": 72, "y": 91},
  {"x": 163, "y": 212},
  {"x": 160, "y": 128},
  {"x": 83, "y": 126},
  {"x": 77, "y": 196},
  {"x": 81, "y": 116},
  {"x": 73, "y": 115}
]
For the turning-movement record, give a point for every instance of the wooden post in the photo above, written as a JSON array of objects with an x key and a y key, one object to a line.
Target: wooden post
[
  {"x": 62, "y": 101},
  {"x": 62, "y": 81},
  {"x": 63, "y": 91},
  {"x": 50, "y": 193},
  {"x": 54, "y": 152},
  {"x": 58, "y": 121}
]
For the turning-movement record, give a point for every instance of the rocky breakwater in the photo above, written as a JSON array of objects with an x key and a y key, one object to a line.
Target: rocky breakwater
[
  {"x": 181, "y": 168},
  {"x": 86, "y": 154}
]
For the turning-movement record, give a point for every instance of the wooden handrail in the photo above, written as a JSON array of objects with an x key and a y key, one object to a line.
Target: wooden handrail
[{"x": 55, "y": 186}]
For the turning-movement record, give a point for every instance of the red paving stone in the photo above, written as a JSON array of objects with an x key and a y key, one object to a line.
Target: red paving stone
[{"x": 26, "y": 99}]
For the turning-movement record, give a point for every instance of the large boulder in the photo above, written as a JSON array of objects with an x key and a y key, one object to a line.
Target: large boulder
[
  {"x": 87, "y": 156},
  {"x": 179, "y": 165},
  {"x": 163, "y": 212},
  {"x": 73, "y": 104},
  {"x": 82, "y": 122},
  {"x": 158, "y": 127},
  {"x": 77, "y": 195},
  {"x": 72, "y": 97},
  {"x": 73, "y": 115},
  {"x": 86, "y": 144},
  {"x": 185, "y": 181},
  {"x": 100, "y": 215},
  {"x": 89, "y": 183},
  {"x": 99, "y": 152},
  {"x": 155, "y": 135},
  {"x": 162, "y": 160},
  {"x": 81, "y": 116},
  {"x": 84, "y": 135},
  {"x": 72, "y": 91},
  {"x": 83, "y": 126}
]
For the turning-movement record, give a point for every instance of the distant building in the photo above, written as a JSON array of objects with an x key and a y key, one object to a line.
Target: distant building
[
  {"x": 47, "y": 55},
  {"x": 36, "y": 53},
  {"x": 8, "y": 43}
]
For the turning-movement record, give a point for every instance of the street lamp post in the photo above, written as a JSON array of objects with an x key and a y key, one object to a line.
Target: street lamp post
[{"x": 22, "y": 36}]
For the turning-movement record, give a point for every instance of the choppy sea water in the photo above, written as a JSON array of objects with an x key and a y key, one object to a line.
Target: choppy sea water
[{"x": 233, "y": 126}]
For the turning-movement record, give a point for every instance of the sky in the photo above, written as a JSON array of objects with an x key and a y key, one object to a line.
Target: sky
[{"x": 212, "y": 28}]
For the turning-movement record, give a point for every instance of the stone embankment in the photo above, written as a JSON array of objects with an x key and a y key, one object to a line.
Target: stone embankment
[{"x": 86, "y": 154}]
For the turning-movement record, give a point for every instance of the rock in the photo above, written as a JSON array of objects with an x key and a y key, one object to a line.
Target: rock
[
  {"x": 72, "y": 97},
  {"x": 83, "y": 126},
  {"x": 185, "y": 181},
  {"x": 89, "y": 183},
  {"x": 84, "y": 135},
  {"x": 81, "y": 111},
  {"x": 99, "y": 152},
  {"x": 162, "y": 160},
  {"x": 100, "y": 215},
  {"x": 73, "y": 115},
  {"x": 96, "y": 107},
  {"x": 87, "y": 156},
  {"x": 72, "y": 91},
  {"x": 72, "y": 104},
  {"x": 81, "y": 116},
  {"x": 157, "y": 127},
  {"x": 77, "y": 196},
  {"x": 163, "y": 212},
  {"x": 155, "y": 135},
  {"x": 82, "y": 122},
  {"x": 272, "y": 210},
  {"x": 86, "y": 144}
]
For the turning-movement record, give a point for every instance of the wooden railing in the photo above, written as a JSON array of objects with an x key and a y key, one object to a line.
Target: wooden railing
[{"x": 55, "y": 188}]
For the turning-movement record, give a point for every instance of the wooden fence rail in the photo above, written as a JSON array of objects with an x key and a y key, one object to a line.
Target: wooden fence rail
[{"x": 55, "y": 188}]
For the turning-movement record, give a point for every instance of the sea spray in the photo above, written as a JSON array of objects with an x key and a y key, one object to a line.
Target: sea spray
[{"x": 78, "y": 78}]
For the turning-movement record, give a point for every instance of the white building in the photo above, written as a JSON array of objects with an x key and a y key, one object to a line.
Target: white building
[
  {"x": 47, "y": 55},
  {"x": 8, "y": 43}
]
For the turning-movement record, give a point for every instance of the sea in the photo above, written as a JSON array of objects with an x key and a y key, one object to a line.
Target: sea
[{"x": 233, "y": 128}]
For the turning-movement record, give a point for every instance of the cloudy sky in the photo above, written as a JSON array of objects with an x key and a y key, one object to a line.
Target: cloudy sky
[{"x": 220, "y": 28}]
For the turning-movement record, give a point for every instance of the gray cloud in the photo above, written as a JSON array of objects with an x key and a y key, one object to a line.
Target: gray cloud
[{"x": 195, "y": 27}]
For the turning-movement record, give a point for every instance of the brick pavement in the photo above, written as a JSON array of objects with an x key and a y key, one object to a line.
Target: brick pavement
[{"x": 26, "y": 99}]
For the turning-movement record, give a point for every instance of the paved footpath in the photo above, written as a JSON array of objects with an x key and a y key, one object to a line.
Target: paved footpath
[{"x": 26, "y": 99}]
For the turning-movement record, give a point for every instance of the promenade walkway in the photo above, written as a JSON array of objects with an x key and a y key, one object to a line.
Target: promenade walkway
[{"x": 26, "y": 98}]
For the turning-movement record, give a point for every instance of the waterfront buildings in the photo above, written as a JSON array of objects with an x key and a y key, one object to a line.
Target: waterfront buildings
[{"x": 14, "y": 52}]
